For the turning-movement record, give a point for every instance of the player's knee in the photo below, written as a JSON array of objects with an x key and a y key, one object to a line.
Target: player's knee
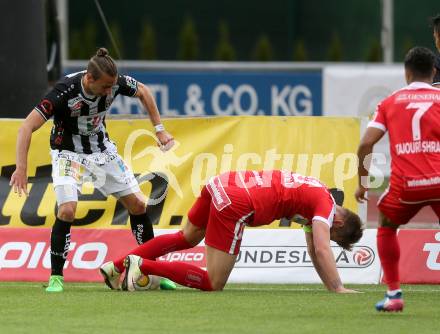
[
  {"x": 217, "y": 282},
  {"x": 217, "y": 285},
  {"x": 66, "y": 213},
  {"x": 193, "y": 234},
  {"x": 137, "y": 207}
]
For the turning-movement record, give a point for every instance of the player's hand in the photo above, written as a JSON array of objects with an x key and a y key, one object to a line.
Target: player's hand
[
  {"x": 19, "y": 182},
  {"x": 166, "y": 141},
  {"x": 361, "y": 194},
  {"x": 344, "y": 290}
]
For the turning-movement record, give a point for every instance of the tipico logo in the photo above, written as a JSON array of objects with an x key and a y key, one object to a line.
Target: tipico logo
[{"x": 363, "y": 256}]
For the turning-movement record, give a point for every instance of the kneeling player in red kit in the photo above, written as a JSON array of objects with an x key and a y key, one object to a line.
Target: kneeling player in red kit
[{"x": 227, "y": 204}]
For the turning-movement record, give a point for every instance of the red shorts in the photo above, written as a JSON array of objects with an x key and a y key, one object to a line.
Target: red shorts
[
  {"x": 224, "y": 213},
  {"x": 399, "y": 211}
]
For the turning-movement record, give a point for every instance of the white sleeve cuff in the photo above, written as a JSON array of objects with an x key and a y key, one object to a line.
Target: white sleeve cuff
[
  {"x": 322, "y": 219},
  {"x": 41, "y": 113},
  {"x": 377, "y": 125}
]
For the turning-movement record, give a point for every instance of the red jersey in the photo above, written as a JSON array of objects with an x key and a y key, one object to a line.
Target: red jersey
[
  {"x": 281, "y": 194},
  {"x": 412, "y": 118}
]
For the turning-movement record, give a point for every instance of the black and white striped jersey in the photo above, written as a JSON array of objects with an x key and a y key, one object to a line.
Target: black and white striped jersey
[{"x": 79, "y": 119}]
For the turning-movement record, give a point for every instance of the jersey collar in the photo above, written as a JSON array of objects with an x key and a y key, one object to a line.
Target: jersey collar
[{"x": 419, "y": 85}]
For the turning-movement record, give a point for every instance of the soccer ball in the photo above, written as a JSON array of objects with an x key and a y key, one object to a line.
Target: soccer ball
[{"x": 147, "y": 282}]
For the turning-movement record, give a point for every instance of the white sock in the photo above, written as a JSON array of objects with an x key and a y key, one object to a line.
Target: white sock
[{"x": 393, "y": 292}]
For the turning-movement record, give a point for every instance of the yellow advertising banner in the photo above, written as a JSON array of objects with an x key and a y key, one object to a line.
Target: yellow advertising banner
[{"x": 323, "y": 147}]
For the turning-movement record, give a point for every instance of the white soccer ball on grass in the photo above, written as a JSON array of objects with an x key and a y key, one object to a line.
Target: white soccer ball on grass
[{"x": 147, "y": 282}]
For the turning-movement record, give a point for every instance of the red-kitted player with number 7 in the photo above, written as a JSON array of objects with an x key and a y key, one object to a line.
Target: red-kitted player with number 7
[{"x": 411, "y": 116}]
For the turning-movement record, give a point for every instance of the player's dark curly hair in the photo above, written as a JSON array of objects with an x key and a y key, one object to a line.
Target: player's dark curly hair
[
  {"x": 435, "y": 22},
  {"x": 420, "y": 62},
  {"x": 102, "y": 63},
  {"x": 351, "y": 231}
]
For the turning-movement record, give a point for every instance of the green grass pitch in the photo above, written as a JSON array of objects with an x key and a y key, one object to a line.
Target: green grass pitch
[{"x": 241, "y": 308}]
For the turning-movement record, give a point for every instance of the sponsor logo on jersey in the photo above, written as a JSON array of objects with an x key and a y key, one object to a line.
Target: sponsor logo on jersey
[
  {"x": 75, "y": 106},
  {"x": 132, "y": 83},
  {"x": 219, "y": 196}
]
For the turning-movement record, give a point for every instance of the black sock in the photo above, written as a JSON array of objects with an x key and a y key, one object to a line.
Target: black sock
[
  {"x": 141, "y": 228},
  {"x": 59, "y": 245}
]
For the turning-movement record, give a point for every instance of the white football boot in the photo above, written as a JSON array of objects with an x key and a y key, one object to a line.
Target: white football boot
[
  {"x": 132, "y": 272},
  {"x": 111, "y": 275}
]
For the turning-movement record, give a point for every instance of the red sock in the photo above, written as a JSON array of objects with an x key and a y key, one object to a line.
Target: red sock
[
  {"x": 180, "y": 272},
  {"x": 389, "y": 254},
  {"x": 158, "y": 246}
]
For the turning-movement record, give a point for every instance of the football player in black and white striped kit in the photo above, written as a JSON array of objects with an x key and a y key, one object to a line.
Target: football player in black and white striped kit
[{"x": 82, "y": 151}]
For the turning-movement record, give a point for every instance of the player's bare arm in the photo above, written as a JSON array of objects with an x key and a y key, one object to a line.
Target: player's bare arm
[
  {"x": 325, "y": 263},
  {"x": 19, "y": 178},
  {"x": 370, "y": 138},
  {"x": 144, "y": 94},
  {"x": 311, "y": 251}
]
